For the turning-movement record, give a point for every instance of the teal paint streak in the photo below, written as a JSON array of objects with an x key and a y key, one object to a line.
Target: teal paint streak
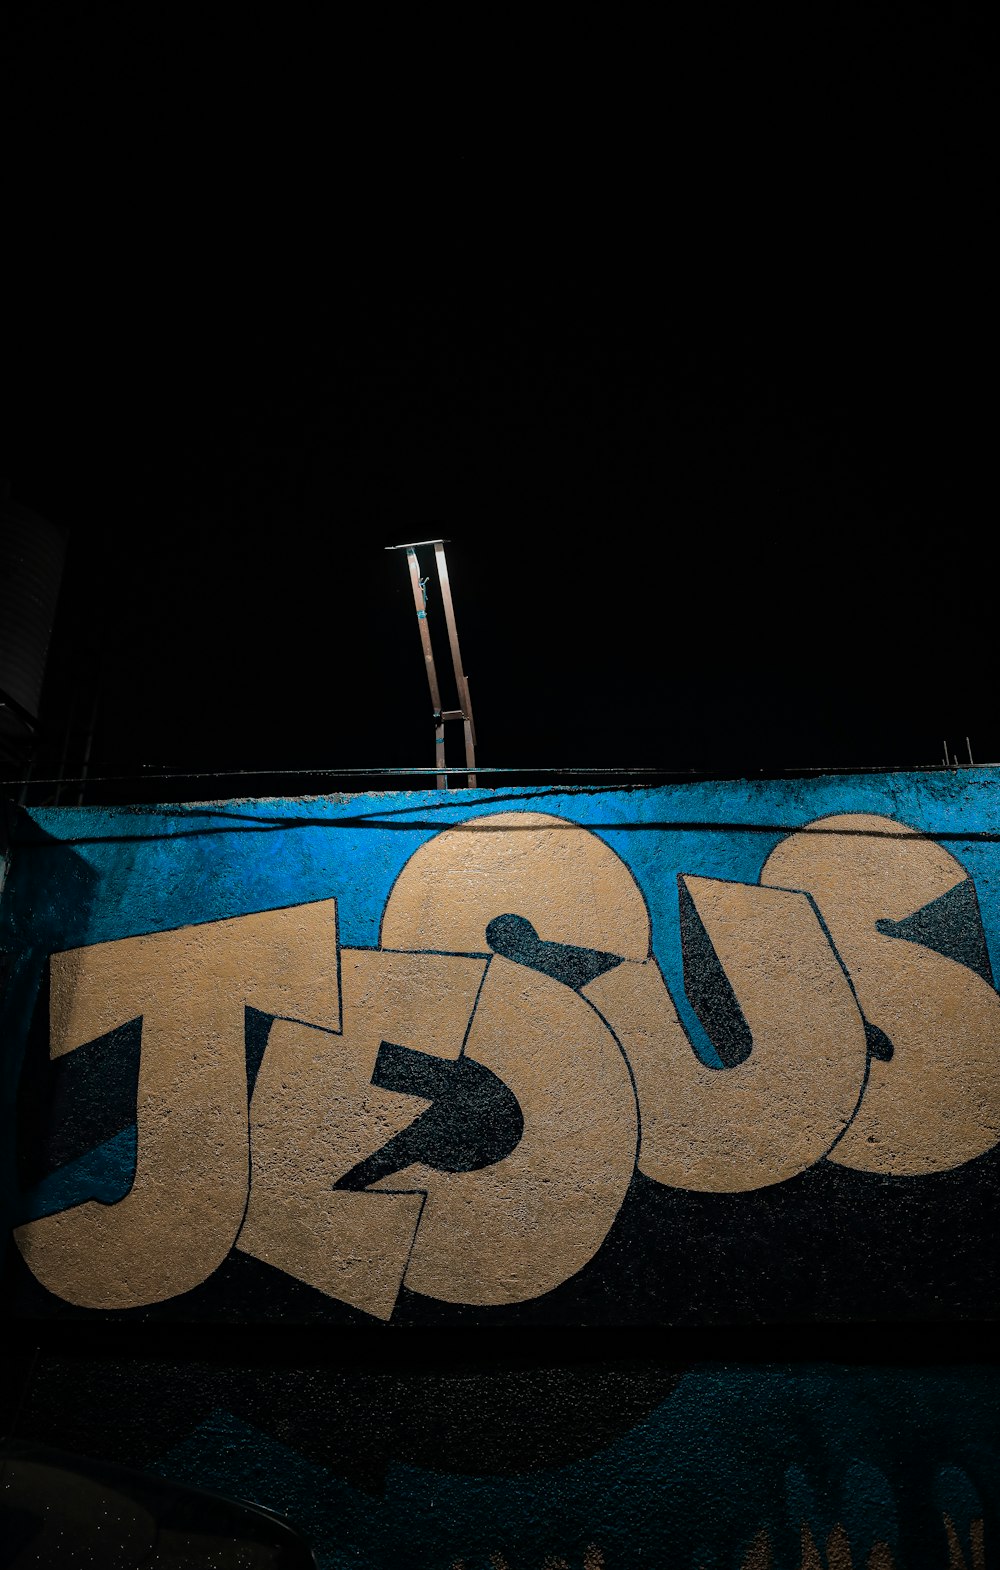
[
  {"x": 151, "y": 869},
  {"x": 104, "y": 1174},
  {"x": 171, "y": 866},
  {"x": 165, "y": 860},
  {"x": 731, "y": 1451}
]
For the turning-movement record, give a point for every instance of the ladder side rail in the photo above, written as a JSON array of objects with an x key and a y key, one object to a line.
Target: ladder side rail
[
  {"x": 425, "y": 643},
  {"x": 461, "y": 681}
]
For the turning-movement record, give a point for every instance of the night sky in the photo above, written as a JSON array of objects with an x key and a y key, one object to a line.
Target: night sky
[{"x": 686, "y": 353}]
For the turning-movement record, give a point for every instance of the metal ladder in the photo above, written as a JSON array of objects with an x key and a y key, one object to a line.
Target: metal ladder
[{"x": 441, "y": 715}]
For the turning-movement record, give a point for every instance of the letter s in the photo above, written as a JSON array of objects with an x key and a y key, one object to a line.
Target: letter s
[{"x": 936, "y": 1103}]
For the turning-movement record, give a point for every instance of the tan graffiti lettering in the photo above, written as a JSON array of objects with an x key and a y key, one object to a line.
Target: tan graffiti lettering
[
  {"x": 777, "y": 1112},
  {"x": 515, "y": 1227},
  {"x": 191, "y": 986},
  {"x": 555, "y": 873},
  {"x": 523, "y": 1225},
  {"x": 498, "y": 1234},
  {"x": 315, "y": 1114},
  {"x": 936, "y": 1102}
]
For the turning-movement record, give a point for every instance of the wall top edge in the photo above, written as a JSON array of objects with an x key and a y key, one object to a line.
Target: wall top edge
[{"x": 935, "y": 780}]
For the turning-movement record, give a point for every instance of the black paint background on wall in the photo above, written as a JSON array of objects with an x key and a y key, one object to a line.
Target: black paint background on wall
[
  {"x": 474, "y": 1118},
  {"x": 829, "y": 1246},
  {"x": 455, "y": 1418},
  {"x": 67, "y": 1106},
  {"x": 708, "y": 987}
]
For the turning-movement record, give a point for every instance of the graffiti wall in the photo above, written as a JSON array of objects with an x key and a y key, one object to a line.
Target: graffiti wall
[
  {"x": 586, "y": 1058},
  {"x": 599, "y": 1467},
  {"x": 669, "y": 1060}
]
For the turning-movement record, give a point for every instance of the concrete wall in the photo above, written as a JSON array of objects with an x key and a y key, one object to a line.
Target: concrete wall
[{"x": 640, "y": 1062}]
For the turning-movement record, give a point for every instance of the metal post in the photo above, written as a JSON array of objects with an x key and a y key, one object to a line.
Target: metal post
[
  {"x": 464, "y": 701},
  {"x": 464, "y": 711},
  {"x": 420, "y": 605}
]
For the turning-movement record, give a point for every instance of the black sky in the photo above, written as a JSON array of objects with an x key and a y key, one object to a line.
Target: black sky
[{"x": 689, "y": 360}]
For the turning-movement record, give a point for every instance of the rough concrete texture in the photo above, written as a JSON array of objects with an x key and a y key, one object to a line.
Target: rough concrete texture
[
  {"x": 702, "y": 1056},
  {"x": 716, "y": 1000}
]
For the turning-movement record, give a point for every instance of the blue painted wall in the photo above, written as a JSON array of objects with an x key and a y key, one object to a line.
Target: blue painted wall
[{"x": 641, "y": 1451}]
